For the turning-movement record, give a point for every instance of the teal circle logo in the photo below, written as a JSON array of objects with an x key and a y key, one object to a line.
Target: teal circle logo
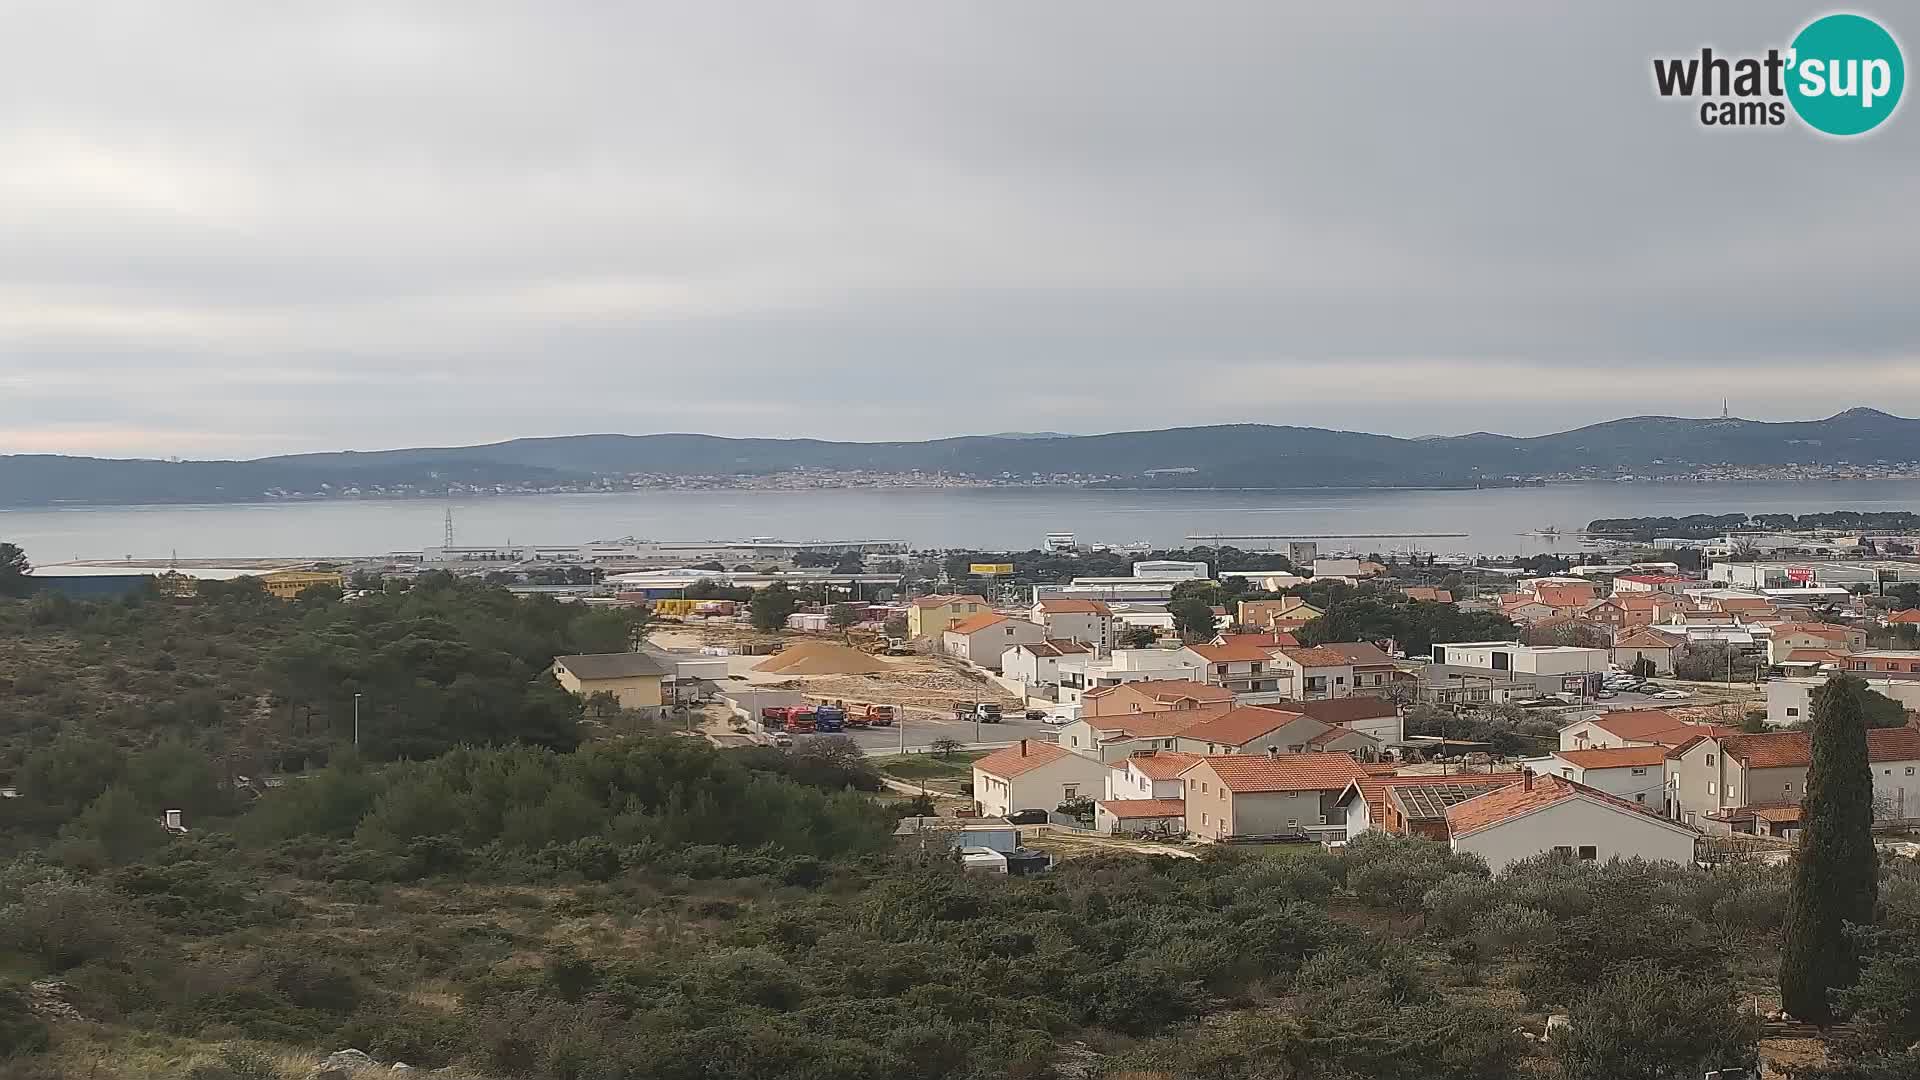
[{"x": 1845, "y": 74}]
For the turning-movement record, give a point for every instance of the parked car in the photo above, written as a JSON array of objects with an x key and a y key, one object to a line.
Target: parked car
[
  {"x": 1038, "y": 715},
  {"x": 1672, "y": 695},
  {"x": 783, "y": 739},
  {"x": 1029, "y": 817},
  {"x": 1057, "y": 718}
]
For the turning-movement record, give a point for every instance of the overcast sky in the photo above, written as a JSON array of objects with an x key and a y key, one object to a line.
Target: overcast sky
[{"x": 235, "y": 229}]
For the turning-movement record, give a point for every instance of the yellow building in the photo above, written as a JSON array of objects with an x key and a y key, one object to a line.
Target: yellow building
[
  {"x": 634, "y": 679},
  {"x": 931, "y": 616},
  {"x": 287, "y": 584}
]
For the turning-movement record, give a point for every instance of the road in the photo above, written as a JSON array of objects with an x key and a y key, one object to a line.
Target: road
[{"x": 919, "y": 731}]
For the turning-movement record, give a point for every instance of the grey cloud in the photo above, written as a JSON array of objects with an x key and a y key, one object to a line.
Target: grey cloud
[{"x": 226, "y": 229}]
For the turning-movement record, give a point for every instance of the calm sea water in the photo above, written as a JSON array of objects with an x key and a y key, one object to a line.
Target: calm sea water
[{"x": 1494, "y": 521}]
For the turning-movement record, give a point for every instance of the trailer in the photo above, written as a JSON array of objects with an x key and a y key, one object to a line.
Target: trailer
[{"x": 878, "y": 715}]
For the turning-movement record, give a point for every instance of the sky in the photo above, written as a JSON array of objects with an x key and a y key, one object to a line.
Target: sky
[{"x": 238, "y": 229}]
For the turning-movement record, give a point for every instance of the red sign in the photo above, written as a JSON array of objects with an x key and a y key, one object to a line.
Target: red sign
[{"x": 1801, "y": 574}]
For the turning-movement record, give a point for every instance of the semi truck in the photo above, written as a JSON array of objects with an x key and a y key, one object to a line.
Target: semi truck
[
  {"x": 985, "y": 712},
  {"x": 878, "y": 715},
  {"x": 828, "y": 718}
]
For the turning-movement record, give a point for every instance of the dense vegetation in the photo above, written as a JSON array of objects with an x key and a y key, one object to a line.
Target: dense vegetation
[{"x": 236, "y": 683}]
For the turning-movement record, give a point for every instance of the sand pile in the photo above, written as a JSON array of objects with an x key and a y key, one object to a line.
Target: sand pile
[{"x": 821, "y": 658}]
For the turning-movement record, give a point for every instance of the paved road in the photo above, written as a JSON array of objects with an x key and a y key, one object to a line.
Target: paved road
[{"x": 920, "y": 731}]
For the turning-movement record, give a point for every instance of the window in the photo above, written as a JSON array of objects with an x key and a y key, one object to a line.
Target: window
[
  {"x": 1293, "y": 823},
  {"x": 1710, "y": 789},
  {"x": 1788, "y": 787},
  {"x": 1339, "y": 680},
  {"x": 1074, "y": 740},
  {"x": 1709, "y": 761},
  {"x": 1909, "y": 770},
  {"x": 1203, "y": 787},
  {"x": 1791, "y": 711},
  {"x": 1589, "y": 853},
  {"x": 1223, "y": 793},
  {"x": 1323, "y": 819},
  {"x": 1640, "y": 771},
  {"x": 1070, "y": 791},
  {"x": 1640, "y": 797},
  {"x": 1203, "y": 819}
]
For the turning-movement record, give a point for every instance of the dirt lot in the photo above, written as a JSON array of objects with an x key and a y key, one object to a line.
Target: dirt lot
[{"x": 930, "y": 683}]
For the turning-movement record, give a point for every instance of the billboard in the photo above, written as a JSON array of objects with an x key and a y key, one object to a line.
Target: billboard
[
  {"x": 990, "y": 569},
  {"x": 1800, "y": 574}
]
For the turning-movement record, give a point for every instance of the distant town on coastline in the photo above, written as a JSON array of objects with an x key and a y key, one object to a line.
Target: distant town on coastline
[{"x": 1858, "y": 443}]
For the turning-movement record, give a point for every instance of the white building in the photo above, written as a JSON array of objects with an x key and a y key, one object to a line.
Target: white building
[
  {"x": 1343, "y": 568},
  {"x": 1090, "y": 622},
  {"x": 1079, "y": 674},
  {"x": 983, "y": 639},
  {"x": 1526, "y": 659},
  {"x": 1033, "y": 775},
  {"x": 1790, "y": 700},
  {"x": 1637, "y": 774},
  {"x": 1038, "y": 663},
  {"x": 1170, "y": 570},
  {"x": 1553, "y": 814}
]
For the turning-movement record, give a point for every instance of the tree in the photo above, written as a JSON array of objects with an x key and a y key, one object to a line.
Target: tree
[
  {"x": 842, "y": 616},
  {"x": 1883, "y": 711},
  {"x": 896, "y": 625},
  {"x": 1193, "y": 617},
  {"x": 1834, "y": 874},
  {"x": 771, "y": 606},
  {"x": 1646, "y": 1022},
  {"x": 1138, "y": 637},
  {"x": 945, "y": 748},
  {"x": 14, "y": 571},
  {"x": 1644, "y": 668}
]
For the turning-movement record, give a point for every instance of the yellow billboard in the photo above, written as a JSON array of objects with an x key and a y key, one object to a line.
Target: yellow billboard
[{"x": 990, "y": 569}]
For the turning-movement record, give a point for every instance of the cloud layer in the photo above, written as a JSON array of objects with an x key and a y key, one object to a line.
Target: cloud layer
[{"x": 230, "y": 229}]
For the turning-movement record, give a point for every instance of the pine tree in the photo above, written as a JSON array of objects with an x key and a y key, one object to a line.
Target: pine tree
[{"x": 1835, "y": 871}]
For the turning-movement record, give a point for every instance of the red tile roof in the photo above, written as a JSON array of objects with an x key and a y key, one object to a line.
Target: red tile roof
[
  {"x": 1794, "y": 749},
  {"x": 1247, "y": 774},
  {"x": 973, "y": 624},
  {"x": 1317, "y": 656},
  {"x": 1266, "y": 642},
  {"x": 1564, "y": 595},
  {"x": 1615, "y": 757},
  {"x": 1335, "y": 734},
  {"x": 1911, "y": 615},
  {"x": 1644, "y": 638},
  {"x": 1232, "y": 653},
  {"x": 1171, "y": 690},
  {"x": 1236, "y": 727},
  {"x": 1022, "y": 757},
  {"x": 1427, "y": 592},
  {"x": 1813, "y": 629},
  {"x": 1145, "y": 808},
  {"x": 1153, "y": 725},
  {"x": 1654, "y": 726},
  {"x": 1359, "y": 653},
  {"x": 1062, "y": 606},
  {"x": 1815, "y": 656},
  {"x": 1161, "y": 764},
  {"x": 1514, "y": 800}
]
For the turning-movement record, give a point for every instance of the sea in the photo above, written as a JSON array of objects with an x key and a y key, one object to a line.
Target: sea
[{"x": 1502, "y": 521}]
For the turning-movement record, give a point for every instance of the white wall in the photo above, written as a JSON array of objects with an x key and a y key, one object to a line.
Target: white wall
[
  {"x": 1647, "y": 787},
  {"x": 1576, "y": 822},
  {"x": 1043, "y": 788}
]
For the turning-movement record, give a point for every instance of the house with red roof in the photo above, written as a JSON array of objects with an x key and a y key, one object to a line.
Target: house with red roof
[
  {"x": 1315, "y": 672},
  {"x": 1251, "y": 729},
  {"x": 1790, "y": 636},
  {"x": 1376, "y": 716},
  {"x": 1113, "y": 739},
  {"x": 929, "y": 616},
  {"x": 1637, "y": 774},
  {"x": 1643, "y": 642},
  {"x": 1242, "y": 667},
  {"x": 1552, "y": 814},
  {"x": 1712, "y": 773},
  {"x": 1034, "y": 775},
  {"x": 981, "y": 640},
  {"x": 1037, "y": 663},
  {"x": 1152, "y": 695},
  {"x": 1250, "y": 795},
  {"x": 1145, "y": 793},
  {"x": 1909, "y": 617},
  {"x": 1632, "y": 727}
]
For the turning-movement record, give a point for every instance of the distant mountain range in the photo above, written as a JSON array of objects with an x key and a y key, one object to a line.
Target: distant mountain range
[{"x": 1225, "y": 456}]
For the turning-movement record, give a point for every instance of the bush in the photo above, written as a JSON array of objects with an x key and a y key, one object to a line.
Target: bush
[
  {"x": 1396, "y": 872},
  {"x": 1646, "y": 1021},
  {"x": 21, "y": 1032}
]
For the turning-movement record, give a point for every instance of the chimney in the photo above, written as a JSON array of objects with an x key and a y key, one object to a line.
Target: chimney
[
  {"x": 1023, "y": 748},
  {"x": 1273, "y": 752},
  {"x": 1526, "y": 779}
]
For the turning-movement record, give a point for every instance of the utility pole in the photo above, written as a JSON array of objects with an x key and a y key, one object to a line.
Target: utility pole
[
  {"x": 903, "y": 731},
  {"x": 356, "y": 721}
]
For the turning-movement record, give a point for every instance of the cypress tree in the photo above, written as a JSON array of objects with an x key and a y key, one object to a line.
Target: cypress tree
[{"x": 1835, "y": 871}]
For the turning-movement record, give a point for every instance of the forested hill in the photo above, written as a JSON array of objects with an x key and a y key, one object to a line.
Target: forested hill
[{"x": 1234, "y": 455}]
